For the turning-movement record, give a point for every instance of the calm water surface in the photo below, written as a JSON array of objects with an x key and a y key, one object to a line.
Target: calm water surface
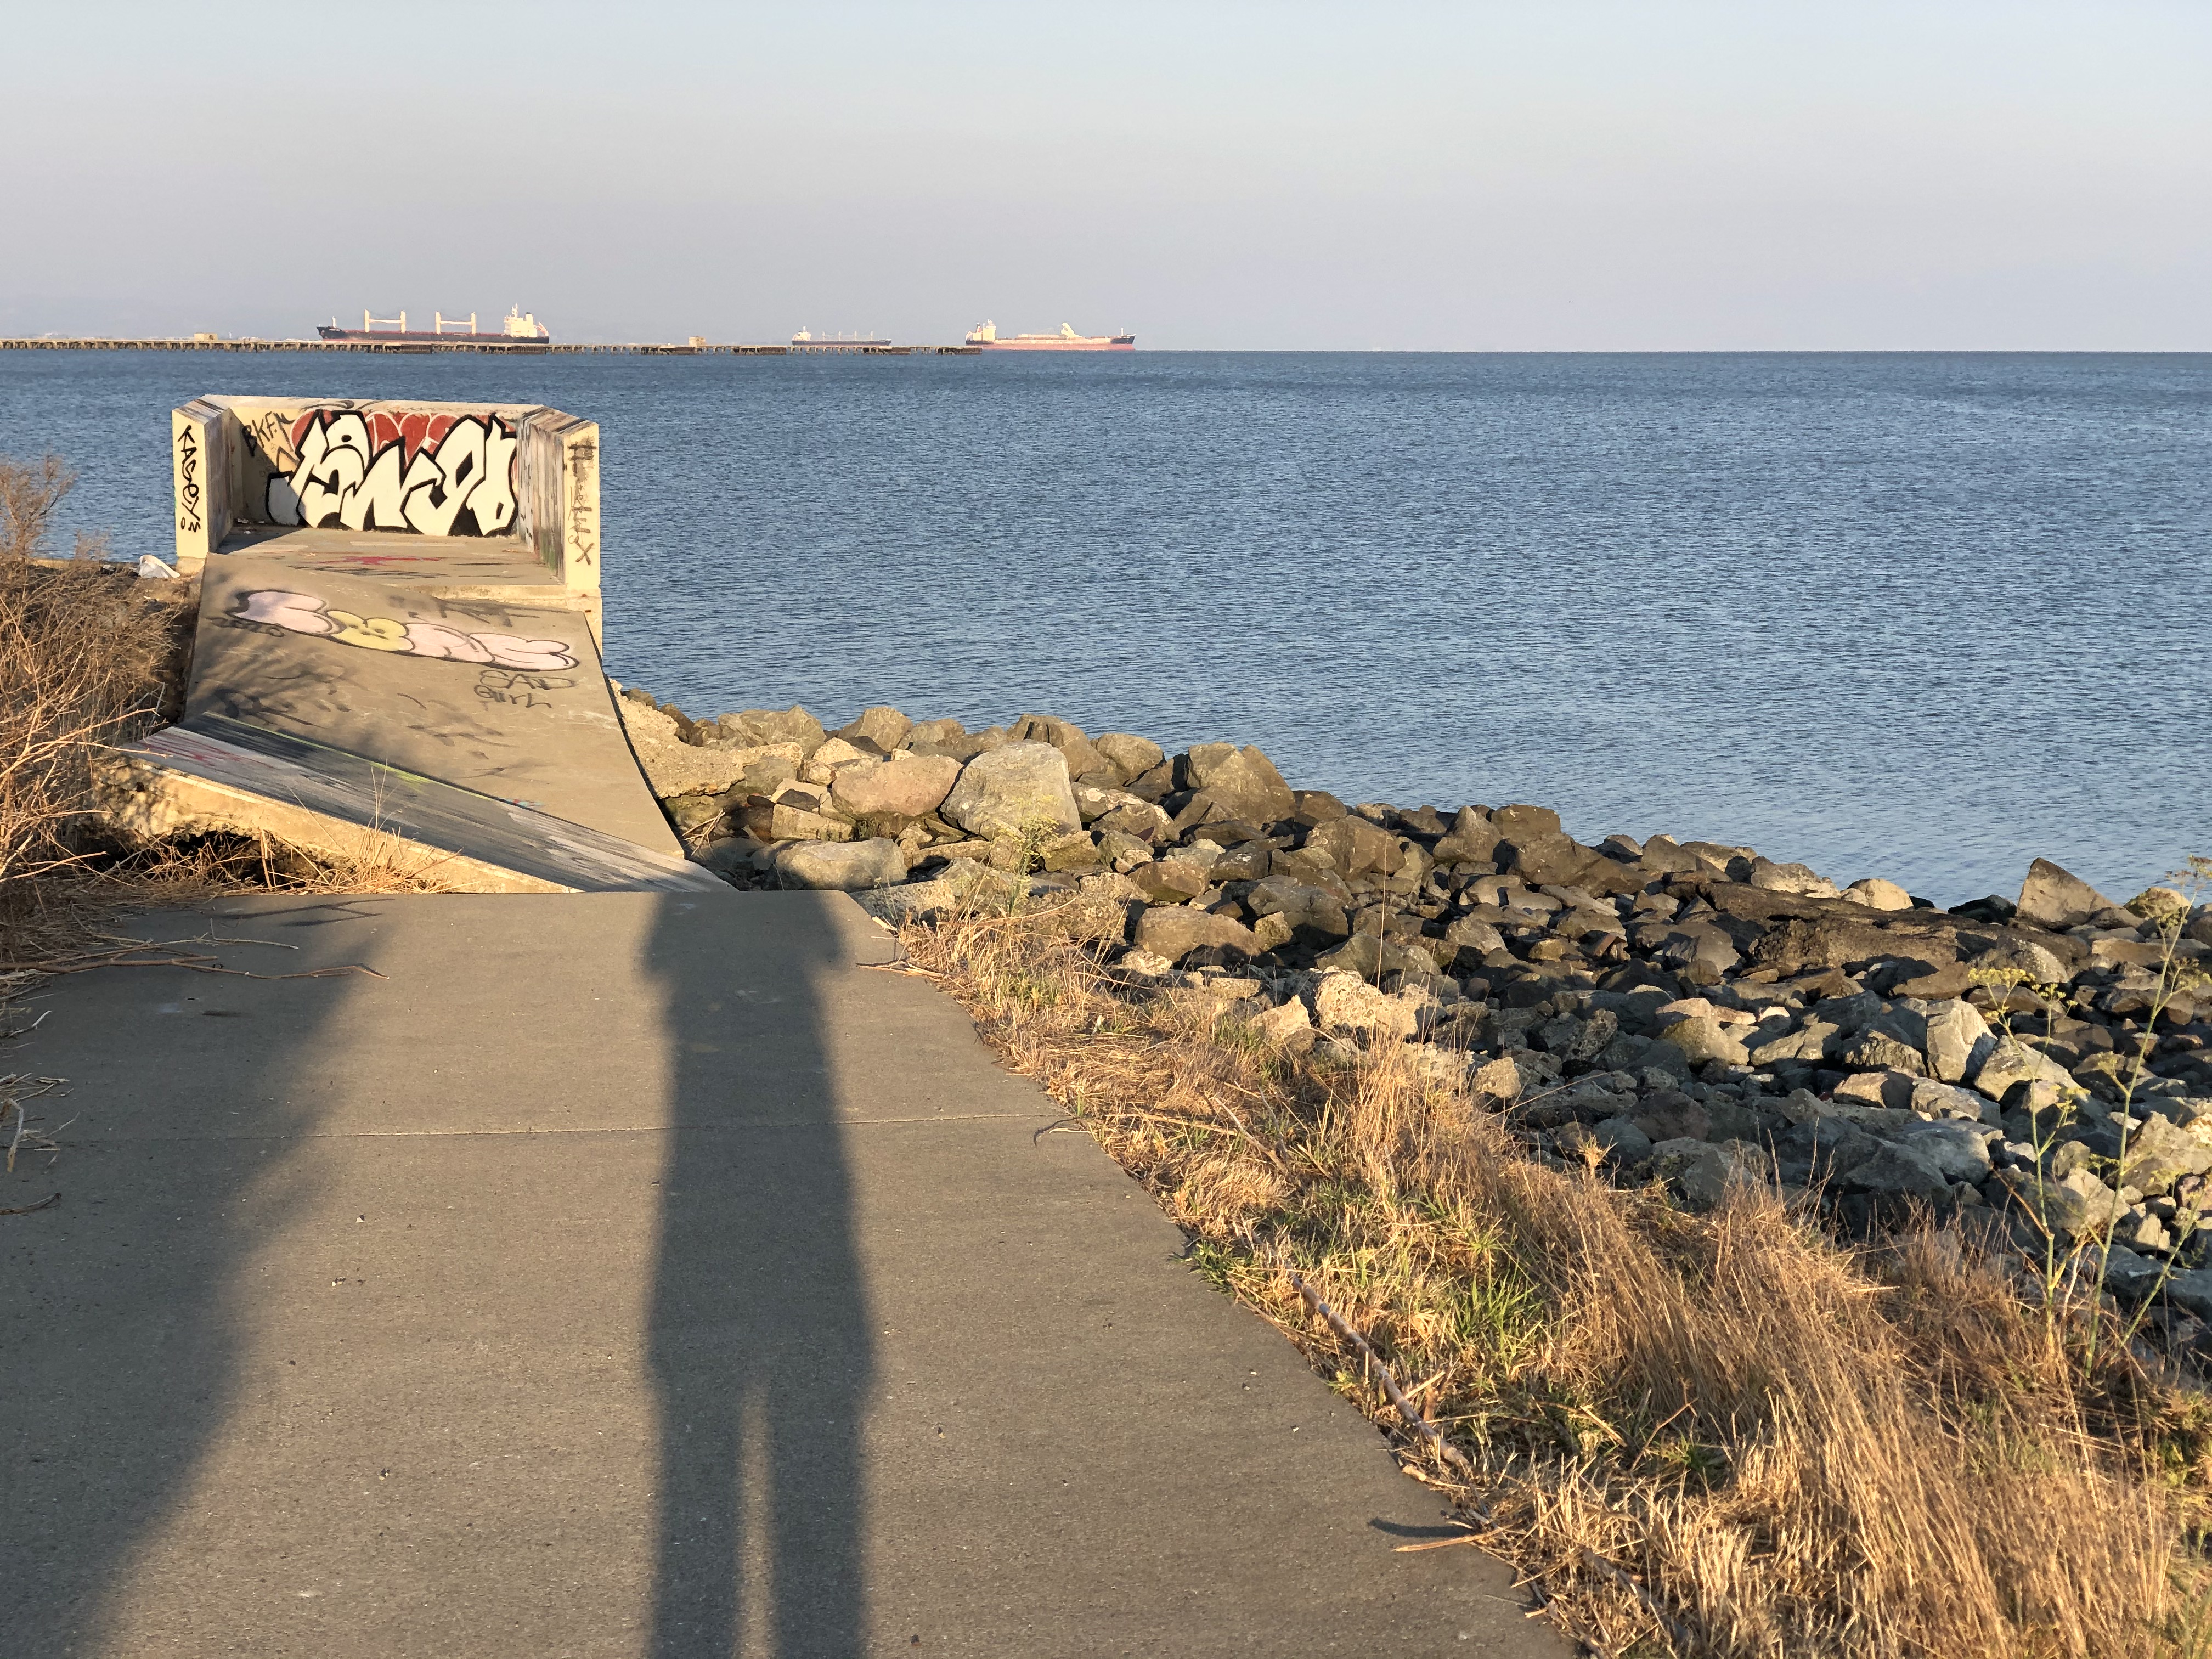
[{"x": 1922, "y": 617}]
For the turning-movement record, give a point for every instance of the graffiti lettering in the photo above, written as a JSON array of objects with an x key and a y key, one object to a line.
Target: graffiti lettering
[
  {"x": 519, "y": 690},
  {"x": 433, "y": 474},
  {"x": 501, "y": 680},
  {"x": 271, "y": 433},
  {"x": 303, "y": 613},
  {"x": 582, "y": 521},
  {"x": 188, "y": 474}
]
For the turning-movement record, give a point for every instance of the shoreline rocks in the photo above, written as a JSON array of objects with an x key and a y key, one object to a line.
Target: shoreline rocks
[{"x": 1688, "y": 1010}]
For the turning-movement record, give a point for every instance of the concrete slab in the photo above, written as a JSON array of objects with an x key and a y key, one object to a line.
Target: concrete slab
[
  {"x": 210, "y": 773},
  {"x": 639, "y": 1275},
  {"x": 500, "y": 697}
]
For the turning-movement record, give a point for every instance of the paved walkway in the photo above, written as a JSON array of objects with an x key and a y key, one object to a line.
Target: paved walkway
[{"x": 634, "y": 1274}]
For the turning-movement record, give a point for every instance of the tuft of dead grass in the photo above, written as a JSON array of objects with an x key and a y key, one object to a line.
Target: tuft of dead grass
[
  {"x": 1726, "y": 1434},
  {"x": 90, "y": 656},
  {"x": 82, "y": 650}
]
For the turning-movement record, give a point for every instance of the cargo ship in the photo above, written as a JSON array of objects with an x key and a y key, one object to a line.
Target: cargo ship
[
  {"x": 522, "y": 331},
  {"x": 803, "y": 340},
  {"x": 1067, "y": 339}
]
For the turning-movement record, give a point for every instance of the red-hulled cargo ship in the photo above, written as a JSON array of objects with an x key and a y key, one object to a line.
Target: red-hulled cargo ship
[
  {"x": 521, "y": 331},
  {"x": 1067, "y": 339}
]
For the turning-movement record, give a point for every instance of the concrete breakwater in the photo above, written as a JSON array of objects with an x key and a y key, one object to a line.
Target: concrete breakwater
[{"x": 1680, "y": 1012}]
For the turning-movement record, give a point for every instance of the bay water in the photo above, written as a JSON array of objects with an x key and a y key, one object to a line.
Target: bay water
[{"x": 1923, "y": 616}]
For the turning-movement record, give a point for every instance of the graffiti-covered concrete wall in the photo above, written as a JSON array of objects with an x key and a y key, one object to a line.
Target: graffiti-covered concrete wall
[{"x": 520, "y": 472}]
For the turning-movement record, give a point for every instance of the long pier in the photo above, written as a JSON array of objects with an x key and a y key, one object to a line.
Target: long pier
[{"x": 492, "y": 346}]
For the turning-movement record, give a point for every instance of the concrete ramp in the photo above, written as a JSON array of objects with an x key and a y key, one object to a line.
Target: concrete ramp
[{"x": 396, "y": 640}]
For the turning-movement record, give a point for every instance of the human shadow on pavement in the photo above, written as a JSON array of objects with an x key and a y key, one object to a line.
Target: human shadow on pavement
[
  {"x": 119, "y": 1361},
  {"x": 759, "y": 1341}
]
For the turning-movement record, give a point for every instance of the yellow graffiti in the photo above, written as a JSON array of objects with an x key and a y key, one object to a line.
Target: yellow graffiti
[{"x": 375, "y": 633}]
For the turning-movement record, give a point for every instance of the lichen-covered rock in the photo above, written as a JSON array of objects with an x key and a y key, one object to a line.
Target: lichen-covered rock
[
  {"x": 646, "y": 722},
  {"x": 848, "y": 866},
  {"x": 1623, "y": 1141},
  {"x": 1012, "y": 791},
  {"x": 1139, "y": 820},
  {"x": 1169, "y": 881},
  {"x": 1299, "y": 905}
]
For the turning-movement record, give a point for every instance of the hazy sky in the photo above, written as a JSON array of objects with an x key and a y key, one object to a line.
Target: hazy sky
[{"x": 1542, "y": 174}]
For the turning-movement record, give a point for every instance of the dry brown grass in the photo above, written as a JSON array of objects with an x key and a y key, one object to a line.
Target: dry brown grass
[
  {"x": 82, "y": 649},
  {"x": 90, "y": 656},
  {"x": 1725, "y": 1434}
]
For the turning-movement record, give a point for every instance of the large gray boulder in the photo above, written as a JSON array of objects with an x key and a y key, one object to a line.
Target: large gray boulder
[
  {"x": 749, "y": 728},
  {"x": 848, "y": 866},
  {"x": 2159, "y": 1154},
  {"x": 2024, "y": 956},
  {"x": 1244, "y": 781},
  {"x": 1130, "y": 756},
  {"x": 1960, "y": 1151},
  {"x": 881, "y": 724},
  {"x": 1546, "y": 860},
  {"x": 2011, "y": 1063},
  {"x": 1702, "y": 1173},
  {"x": 1899, "y": 1171},
  {"x": 1013, "y": 790},
  {"x": 1931, "y": 1098},
  {"x": 1816, "y": 1040},
  {"x": 1702, "y": 1038},
  {"x": 2075, "y": 1203},
  {"x": 1083, "y": 755},
  {"x": 1959, "y": 1041},
  {"x": 1343, "y": 1004},
  {"x": 917, "y": 900},
  {"x": 1173, "y": 931},
  {"x": 1299, "y": 905},
  {"x": 2056, "y": 898},
  {"x": 905, "y": 786},
  {"x": 1876, "y": 1049},
  {"x": 1352, "y": 846}
]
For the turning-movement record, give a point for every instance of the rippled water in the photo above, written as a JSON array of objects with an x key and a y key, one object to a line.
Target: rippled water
[{"x": 1921, "y": 616}]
